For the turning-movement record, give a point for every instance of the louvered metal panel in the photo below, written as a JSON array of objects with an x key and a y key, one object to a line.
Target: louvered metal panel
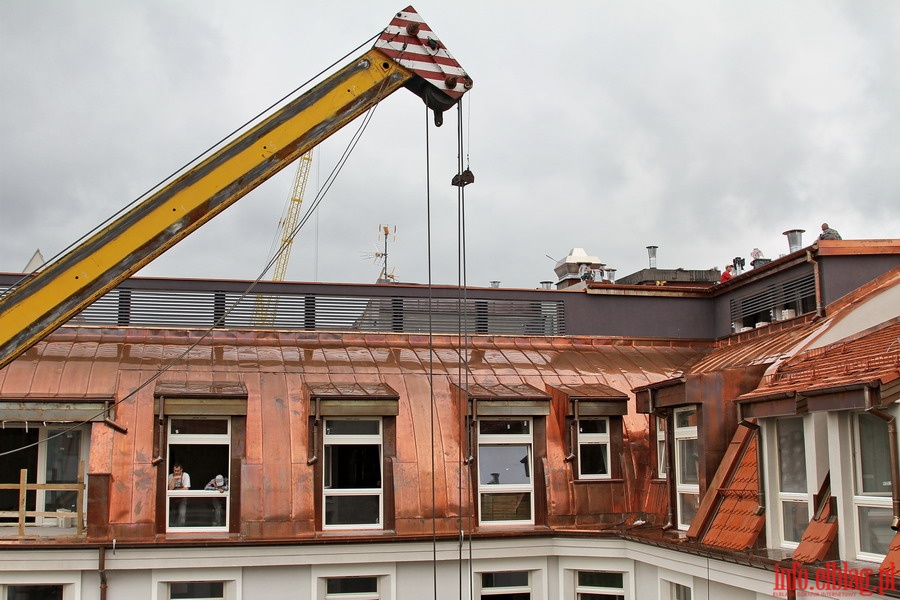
[
  {"x": 313, "y": 312},
  {"x": 795, "y": 294}
]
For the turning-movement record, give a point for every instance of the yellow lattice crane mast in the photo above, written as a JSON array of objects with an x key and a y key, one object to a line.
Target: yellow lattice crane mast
[
  {"x": 265, "y": 306},
  {"x": 292, "y": 216}
]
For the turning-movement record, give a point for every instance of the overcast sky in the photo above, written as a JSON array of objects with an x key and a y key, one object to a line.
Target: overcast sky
[{"x": 704, "y": 127}]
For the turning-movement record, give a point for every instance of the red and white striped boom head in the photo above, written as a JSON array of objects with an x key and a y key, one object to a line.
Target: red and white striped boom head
[{"x": 409, "y": 41}]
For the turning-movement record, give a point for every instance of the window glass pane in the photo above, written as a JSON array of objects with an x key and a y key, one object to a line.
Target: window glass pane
[
  {"x": 506, "y": 507},
  {"x": 681, "y": 592},
  {"x": 504, "y": 579},
  {"x": 34, "y": 592},
  {"x": 353, "y": 427},
  {"x": 199, "y": 426},
  {"x": 352, "y": 585},
  {"x": 200, "y": 463},
  {"x": 686, "y": 417},
  {"x": 63, "y": 455},
  {"x": 352, "y": 466},
  {"x": 688, "y": 471},
  {"x": 592, "y": 459},
  {"x": 506, "y": 595},
  {"x": 196, "y": 511},
  {"x": 504, "y": 427},
  {"x": 875, "y": 533},
  {"x": 795, "y": 518},
  {"x": 352, "y": 510},
  {"x": 791, "y": 455},
  {"x": 592, "y": 426},
  {"x": 600, "y": 579},
  {"x": 506, "y": 464},
  {"x": 874, "y": 468},
  {"x": 688, "y": 504},
  {"x": 583, "y": 596},
  {"x": 197, "y": 589}
]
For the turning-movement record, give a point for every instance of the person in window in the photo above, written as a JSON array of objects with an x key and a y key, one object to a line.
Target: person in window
[
  {"x": 179, "y": 480},
  {"x": 828, "y": 233},
  {"x": 220, "y": 484}
]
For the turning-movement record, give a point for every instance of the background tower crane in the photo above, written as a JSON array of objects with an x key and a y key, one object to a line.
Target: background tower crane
[{"x": 265, "y": 307}]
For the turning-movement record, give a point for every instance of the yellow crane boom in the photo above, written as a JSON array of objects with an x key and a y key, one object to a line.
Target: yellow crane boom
[{"x": 406, "y": 54}]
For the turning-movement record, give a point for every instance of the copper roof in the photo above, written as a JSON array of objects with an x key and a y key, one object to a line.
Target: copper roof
[
  {"x": 277, "y": 368},
  {"x": 874, "y": 357}
]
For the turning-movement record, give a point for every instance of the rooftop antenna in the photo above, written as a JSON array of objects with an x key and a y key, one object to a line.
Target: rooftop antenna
[{"x": 386, "y": 233}]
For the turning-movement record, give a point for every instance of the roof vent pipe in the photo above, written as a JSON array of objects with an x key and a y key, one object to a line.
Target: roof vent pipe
[
  {"x": 546, "y": 285},
  {"x": 795, "y": 238},
  {"x": 651, "y": 252},
  {"x": 495, "y": 284}
]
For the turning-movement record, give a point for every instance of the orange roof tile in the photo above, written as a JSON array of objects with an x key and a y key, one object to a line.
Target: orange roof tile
[{"x": 891, "y": 562}]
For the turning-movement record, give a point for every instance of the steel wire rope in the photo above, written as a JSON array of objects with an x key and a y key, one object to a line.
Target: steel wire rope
[
  {"x": 221, "y": 320},
  {"x": 431, "y": 355},
  {"x": 463, "y": 368},
  {"x": 190, "y": 163}
]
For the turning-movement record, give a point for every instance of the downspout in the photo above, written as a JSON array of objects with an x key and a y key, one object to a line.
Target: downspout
[
  {"x": 469, "y": 435},
  {"x": 820, "y": 312},
  {"x": 162, "y": 431},
  {"x": 315, "y": 450},
  {"x": 573, "y": 423},
  {"x": 101, "y": 570},
  {"x": 893, "y": 454}
]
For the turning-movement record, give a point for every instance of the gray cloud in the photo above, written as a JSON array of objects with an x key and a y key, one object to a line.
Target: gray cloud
[{"x": 705, "y": 128}]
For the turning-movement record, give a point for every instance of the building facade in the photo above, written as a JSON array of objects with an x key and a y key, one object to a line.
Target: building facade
[{"x": 181, "y": 439}]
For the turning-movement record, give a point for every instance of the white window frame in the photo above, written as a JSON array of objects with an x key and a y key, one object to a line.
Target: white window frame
[
  {"x": 783, "y": 497},
  {"x": 681, "y": 435},
  {"x": 162, "y": 578},
  {"x": 45, "y": 432},
  {"x": 488, "y": 592},
  {"x": 330, "y": 439},
  {"x": 669, "y": 579},
  {"x": 526, "y": 439},
  {"x": 196, "y": 490},
  {"x": 587, "y": 589},
  {"x": 569, "y": 566},
  {"x": 385, "y": 572},
  {"x": 376, "y": 595},
  {"x": 594, "y": 439},
  {"x": 861, "y": 499}
]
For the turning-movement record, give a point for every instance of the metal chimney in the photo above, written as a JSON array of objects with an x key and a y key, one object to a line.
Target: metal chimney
[
  {"x": 495, "y": 284},
  {"x": 795, "y": 238},
  {"x": 611, "y": 275},
  {"x": 546, "y": 285},
  {"x": 651, "y": 252}
]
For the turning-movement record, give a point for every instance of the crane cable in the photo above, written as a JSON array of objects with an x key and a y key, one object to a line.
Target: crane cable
[
  {"x": 345, "y": 155},
  {"x": 192, "y": 162}
]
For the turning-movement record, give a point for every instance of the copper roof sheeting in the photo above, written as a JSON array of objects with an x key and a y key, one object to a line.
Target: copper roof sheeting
[{"x": 276, "y": 482}]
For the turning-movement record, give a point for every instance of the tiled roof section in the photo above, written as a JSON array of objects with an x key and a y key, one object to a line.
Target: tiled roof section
[
  {"x": 758, "y": 347},
  {"x": 891, "y": 561},
  {"x": 873, "y": 356},
  {"x": 818, "y": 538},
  {"x": 735, "y": 522}
]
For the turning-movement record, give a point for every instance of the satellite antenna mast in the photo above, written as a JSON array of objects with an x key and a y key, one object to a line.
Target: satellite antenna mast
[{"x": 387, "y": 233}]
